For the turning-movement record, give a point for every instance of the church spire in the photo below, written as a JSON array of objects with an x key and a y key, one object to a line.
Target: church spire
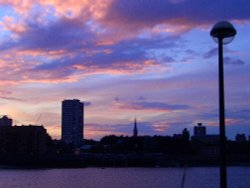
[{"x": 135, "y": 129}]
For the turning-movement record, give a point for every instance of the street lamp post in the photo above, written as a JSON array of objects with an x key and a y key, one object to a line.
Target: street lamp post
[{"x": 223, "y": 33}]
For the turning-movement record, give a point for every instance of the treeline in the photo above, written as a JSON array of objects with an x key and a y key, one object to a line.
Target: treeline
[{"x": 154, "y": 144}]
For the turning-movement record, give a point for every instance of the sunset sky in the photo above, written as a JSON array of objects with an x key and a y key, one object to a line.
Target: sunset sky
[{"x": 149, "y": 59}]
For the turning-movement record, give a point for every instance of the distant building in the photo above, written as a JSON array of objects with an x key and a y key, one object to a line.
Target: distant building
[
  {"x": 209, "y": 142},
  {"x": 72, "y": 122},
  {"x": 201, "y": 135},
  {"x": 135, "y": 131},
  {"x": 240, "y": 138},
  {"x": 199, "y": 130},
  {"x": 185, "y": 134},
  {"x": 23, "y": 140},
  {"x": 177, "y": 136},
  {"x": 211, "y": 138},
  {"x": 210, "y": 150},
  {"x": 5, "y": 121}
]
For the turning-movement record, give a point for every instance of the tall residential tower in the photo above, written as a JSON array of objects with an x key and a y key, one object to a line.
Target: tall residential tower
[{"x": 72, "y": 122}]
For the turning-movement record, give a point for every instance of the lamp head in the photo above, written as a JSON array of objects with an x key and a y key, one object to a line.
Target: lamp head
[{"x": 224, "y": 31}]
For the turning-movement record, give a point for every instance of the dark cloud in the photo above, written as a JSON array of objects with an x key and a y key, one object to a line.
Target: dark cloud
[
  {"x": 239, "y": 114},
  {"x": 128, "y": 55},
  {"x": 144, "y": 105},
  {"x": 87, "y": 103},
  {"x": 210, "y": 114},
  {"x": 7, "y": 95},
  {"x": 64, "y": 33},
  {"x": 141, "y": 98},
  {"x": 233, "y": 117},
  {"x": 159, "y": 106},
  {"x": 194, "y": 12},
  {"x": 227, "y": 60},
  {"x": 12, "y": 98},
  {"x": 211, "y": 53},
  {"x": 233, "y": 61},
  {"x": 117, "y": 99}
]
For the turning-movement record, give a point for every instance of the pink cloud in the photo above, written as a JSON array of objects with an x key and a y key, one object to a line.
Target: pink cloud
[
  {"x": 11, "y": 25},
  {"x": 117, "y": 17},
  {"x": 160, "y": 126}
]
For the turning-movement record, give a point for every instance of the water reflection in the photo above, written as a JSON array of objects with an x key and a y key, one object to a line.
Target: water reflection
[{"x": 122, "y": 178}]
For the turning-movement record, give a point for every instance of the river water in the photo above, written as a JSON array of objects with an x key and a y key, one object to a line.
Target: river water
[{"x": 198, "y": 177}]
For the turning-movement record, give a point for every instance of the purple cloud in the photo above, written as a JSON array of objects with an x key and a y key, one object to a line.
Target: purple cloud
[
  {"x": 87, "y": 103},
  {"x": 7, "y": 95},
  {"x": 144, "y": 105},
  {"x": 63, "y": 34},
  {"x": 233, "y": 61},
  {"x": 211, "y": 53},
  {"x": 141, "y": 98},
  {"x": 12, "y": 98},
  {"x": 227, "y": 60},
  {"x": 127, "y": 55},
  {"x": 192, "y": 12}
]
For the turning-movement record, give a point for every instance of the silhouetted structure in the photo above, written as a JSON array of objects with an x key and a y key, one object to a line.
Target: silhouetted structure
[
  {"x": 199, "y": 130},
  {"x": 222, "y": 32},
  {"x": 240, "y": 138},
  {"x": 208, "y": 143},
  {"x": 23, "y": 140},
  {"x": 72, "y": 122},
  {"x": 5, "y": 121},
  {"x": 185, "y": 134},
  {"x": 201, "y": 135},
  {"x": 135, "y": 131}
]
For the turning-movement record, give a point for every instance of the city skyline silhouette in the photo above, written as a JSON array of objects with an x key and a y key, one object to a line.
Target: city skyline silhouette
[
  {"x": 125, "y": 60},
  {"x": 87, "y": 85}
]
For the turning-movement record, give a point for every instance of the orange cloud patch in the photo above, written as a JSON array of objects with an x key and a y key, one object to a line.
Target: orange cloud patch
[
  {"x": 230, "y": 121},
  {"x": 54, "y": 131},
  {"x": 160, "y": 126},
  {"x": 68, "y": 8}
]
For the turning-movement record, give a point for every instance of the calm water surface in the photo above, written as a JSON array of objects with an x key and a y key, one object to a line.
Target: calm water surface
[{"x": 238, "y": 177}]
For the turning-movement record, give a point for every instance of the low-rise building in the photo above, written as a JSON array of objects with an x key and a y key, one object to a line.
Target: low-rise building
[
  {"x": 5, "y": 121},
  {"x": 28, "y": 140}
]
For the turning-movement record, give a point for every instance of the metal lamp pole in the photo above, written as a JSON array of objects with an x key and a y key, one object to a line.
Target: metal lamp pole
[
  {"x": 223, "y": 33},
  {"x": 223, "y": 170}
]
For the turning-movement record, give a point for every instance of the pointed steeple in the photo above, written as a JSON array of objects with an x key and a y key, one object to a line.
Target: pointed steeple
[{"x": 135, "y": 129}]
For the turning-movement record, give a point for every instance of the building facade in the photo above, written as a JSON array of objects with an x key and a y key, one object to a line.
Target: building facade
[
  {"x": 72, "y": 122},
  {"x": 200, "y": 134},
  {"x": 23, "y": 140},
  {"x": 199, "y": 130},
  {"x": 5, "y": 121}
]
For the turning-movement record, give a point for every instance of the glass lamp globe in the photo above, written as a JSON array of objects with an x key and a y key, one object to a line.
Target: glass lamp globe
[{"x": 224, "y": 31}]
